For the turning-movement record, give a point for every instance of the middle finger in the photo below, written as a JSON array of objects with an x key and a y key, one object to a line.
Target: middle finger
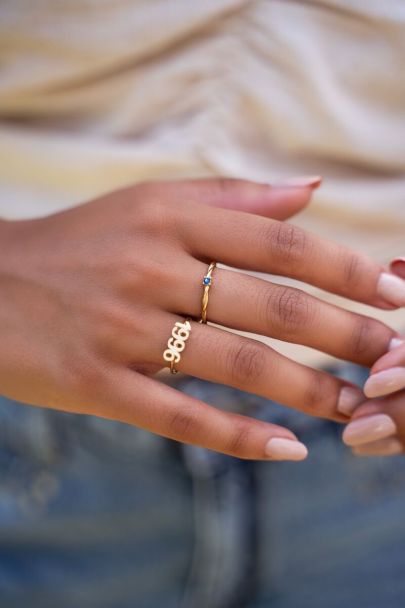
[{"x": 246, "y": 303}]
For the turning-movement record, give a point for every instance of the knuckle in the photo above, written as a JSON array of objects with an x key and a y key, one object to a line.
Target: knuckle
[
  {"x": 318, "y": 395},
  {"x": 112, "y": 325},
  {"x": 153, "y": 216},
  {"x": 287, "y": 243},
  {"x": 136, "y": 274},
  {"x": 369, "y": 340},
  {"x": 246, "y": 362},
  {"x": 291, "y": 308},
  {"x": 238, "y": 443},
  {"x": 361, "y": 340},
  {"x": 85, "y": 375},
  {"x": 353, "y": 271},
  {"x": 182, "y": 423}
]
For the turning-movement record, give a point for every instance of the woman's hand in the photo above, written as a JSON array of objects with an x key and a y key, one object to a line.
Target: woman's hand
[{"x": 90, "y": 297}]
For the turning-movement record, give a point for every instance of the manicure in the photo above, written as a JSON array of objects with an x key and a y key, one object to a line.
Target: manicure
[
  {"x": 395, "y": 343},
  {"x": 386, "y": 382},
  {"x": 397, "y": 266},
  {"x": 367, "y": 429},
  {"x": 285, "y": 449},
  {"x": 350, "y": 397},
  {"x": 312, "y": 181},
  {"x": 392, "y": 289}
]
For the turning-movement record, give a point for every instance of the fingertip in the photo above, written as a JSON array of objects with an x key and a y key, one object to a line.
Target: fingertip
[
  {"x": 284, "y": 202},
  {"x": 307, "y": 181},
  {"x": 397, "y": 267},
  {"x": 280, "y": 448},
  {"x": 395, "y": 357}
]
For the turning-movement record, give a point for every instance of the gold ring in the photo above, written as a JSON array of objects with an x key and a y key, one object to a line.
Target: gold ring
[
  {"x": 176, "y": 343},
  {"x": 207, "y": 282}
]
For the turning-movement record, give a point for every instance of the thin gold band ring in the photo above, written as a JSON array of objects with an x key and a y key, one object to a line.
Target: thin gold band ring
[{"x": 207, "y": 282}]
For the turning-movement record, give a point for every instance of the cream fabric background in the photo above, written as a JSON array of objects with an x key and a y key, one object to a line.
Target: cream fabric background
[{"x": 95, "y": 94}]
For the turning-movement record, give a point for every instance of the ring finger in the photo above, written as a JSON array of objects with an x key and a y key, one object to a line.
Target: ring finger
[{"x": 221, "y": 356}]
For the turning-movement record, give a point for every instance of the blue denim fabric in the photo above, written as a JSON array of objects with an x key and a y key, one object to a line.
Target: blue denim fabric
[{"x": 100, "y": 514}]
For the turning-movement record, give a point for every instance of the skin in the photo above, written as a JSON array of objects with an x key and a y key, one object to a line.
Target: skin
[
  {"x": 93, "y": 294},
  {"x": 391, "y": 405}
]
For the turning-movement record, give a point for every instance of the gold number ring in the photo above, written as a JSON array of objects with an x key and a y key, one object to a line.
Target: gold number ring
[{"x": 176, "y": 344}]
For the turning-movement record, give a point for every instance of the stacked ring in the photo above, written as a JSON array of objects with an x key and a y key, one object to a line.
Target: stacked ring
[
  {"x": 181, "y": 330},
  {"x": 207, "y": 281},
  {"x": 177, "y": 343}
]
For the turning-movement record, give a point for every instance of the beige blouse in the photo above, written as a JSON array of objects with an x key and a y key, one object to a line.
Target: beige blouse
[{"x": 95, "y": 94}]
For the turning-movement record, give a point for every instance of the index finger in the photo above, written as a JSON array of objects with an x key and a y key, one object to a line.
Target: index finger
[{"x": 251, "y": 242}]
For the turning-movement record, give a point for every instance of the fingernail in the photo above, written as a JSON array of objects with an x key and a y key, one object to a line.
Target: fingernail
[
  {"x": 349, "y": 398},
  {"x": 383, "y": 447},
  {"x": 392, "y": 289},
  {"x": 285, "y": 449},
  {"x": 395, "y": 343},
  {"x": 312, "y": 181},
  {"x": 384, "y": 383},
  {"x": 364, "y": 430},
  {"x": 397, "y": 266}
]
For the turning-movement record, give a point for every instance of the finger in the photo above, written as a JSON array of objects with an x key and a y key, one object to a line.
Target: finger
[
  {"x": 367, "y": 429},
  {"x": 152, "y": 406},
  {"x": 387, "y": 374},
  {"x": 280, "y": 200},
  {"x": 377, "y": 419},
  {"x": 224, "y": 357},
  {"x": 250, "y": 304},
  {"x": 247, "y": 241},
  {"x": 397, "y": 266},
  {"x": 394, "y": 358},
  {"x": 383, "y": 447}
]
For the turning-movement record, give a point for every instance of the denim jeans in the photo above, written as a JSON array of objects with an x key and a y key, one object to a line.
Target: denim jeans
[{"x": 99, "y": 514}]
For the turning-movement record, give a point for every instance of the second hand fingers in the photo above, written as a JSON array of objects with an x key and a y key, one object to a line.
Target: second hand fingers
[
  {"x": 377, "y": 427},
  {"x": 387, "y": 374},
  {"x": 383, "y": 447}
]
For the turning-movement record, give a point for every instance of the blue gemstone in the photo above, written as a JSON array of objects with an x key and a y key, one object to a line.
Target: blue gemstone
[{"x": 207, "y": 281}]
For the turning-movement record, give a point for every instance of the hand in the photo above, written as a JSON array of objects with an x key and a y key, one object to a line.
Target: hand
[
  {"x": 378, "y": 427},
  {"x": 90, "y": 297}
]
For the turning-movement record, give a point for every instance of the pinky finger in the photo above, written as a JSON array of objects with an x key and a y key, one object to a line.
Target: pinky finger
[
  {"x": 383, "y": 447},
  {"x": 153, "y": 406}
]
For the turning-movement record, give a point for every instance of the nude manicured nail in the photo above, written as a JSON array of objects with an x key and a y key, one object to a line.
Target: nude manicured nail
[
  {"x": 383, "y": 447},
  {"x": 395, "y": 343},
  {"x": 312, "y": 181},
  {"x": 386, "y": 382},
  {"x": 285, "y": 449},
  {"x": 392, "y": 289},
  {"x": 370, "y": 428},
  {"x": 349, "y": 398},
  {"x": 397, "y": 266}
]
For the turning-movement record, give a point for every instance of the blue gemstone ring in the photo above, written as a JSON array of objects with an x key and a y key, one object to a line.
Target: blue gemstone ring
[{"x": 207, "y": 282}]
